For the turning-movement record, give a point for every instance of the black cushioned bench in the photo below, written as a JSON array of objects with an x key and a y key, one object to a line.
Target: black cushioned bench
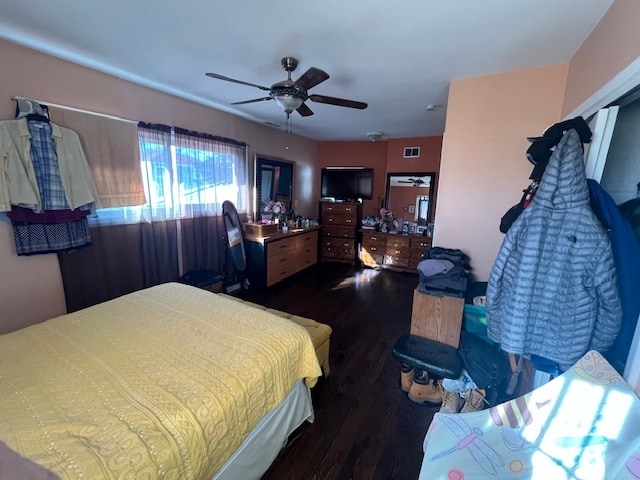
[{"x": 437, "y": 358}]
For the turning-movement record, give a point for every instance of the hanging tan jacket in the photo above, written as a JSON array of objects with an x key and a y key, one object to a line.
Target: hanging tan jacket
[{"x": 18, "y": 185}]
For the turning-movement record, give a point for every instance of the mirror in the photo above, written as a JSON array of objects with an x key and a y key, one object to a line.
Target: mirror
[
  {"x": 235, "y": 244},
  {"x": 273, "y": 181},
  {"x": 410, "y": 197}
]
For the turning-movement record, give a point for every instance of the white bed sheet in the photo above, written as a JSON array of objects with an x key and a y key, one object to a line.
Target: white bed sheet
[{"x": 260, "y": 448}]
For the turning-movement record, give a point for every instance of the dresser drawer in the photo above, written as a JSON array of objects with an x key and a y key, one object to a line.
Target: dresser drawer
[
  {"x": 337, "y": 231},
  {"x": 340, "y": 208},
  {"x": 373, "y": 238},
  {"x": 374, "y": 249},
  {"x": 306, "y": 257},
  {"x": 416, "y": 257},
  {"x": 340, "y": 219},
  {"x": 420, "y": 243},
  {"x": 307, "y": 239},
  {"x": 371, "y": 259},
  {"x": 280, "y": 271},
  {"x": 396, "y": 260},
  {"x": 337, "y": 248},
  {"x": 281, "y": 246},
  {"x": 399, "y": 242},
  {"x": 284, "y": 258}
]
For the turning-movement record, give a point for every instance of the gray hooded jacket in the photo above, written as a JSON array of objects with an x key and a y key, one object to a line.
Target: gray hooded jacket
[{"x": 552, "y": 291}]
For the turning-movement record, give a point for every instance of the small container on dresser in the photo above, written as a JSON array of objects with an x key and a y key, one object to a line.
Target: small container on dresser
[{"x": 339, "y": 231}]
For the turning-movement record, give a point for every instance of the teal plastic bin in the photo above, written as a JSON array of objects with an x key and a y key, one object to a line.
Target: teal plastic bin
[{"x": 475, "y": 321}]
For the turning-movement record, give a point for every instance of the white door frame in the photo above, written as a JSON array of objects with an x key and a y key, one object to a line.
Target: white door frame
[{"x": 626, "y": 80}]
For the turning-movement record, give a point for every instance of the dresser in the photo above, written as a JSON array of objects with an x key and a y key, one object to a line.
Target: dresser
[
  {"x": 273, "y": 258},
  {"x": 339, "y": 231},
  {"x": 392, "y": 250}
]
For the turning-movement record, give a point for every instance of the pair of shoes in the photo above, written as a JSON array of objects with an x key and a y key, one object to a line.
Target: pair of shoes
[
  {"x": 406, "y": 377},
  {"x": 451, "y": 402},
  {"x": 424, "y": 390},
  {"x": 475, "y": 401}
]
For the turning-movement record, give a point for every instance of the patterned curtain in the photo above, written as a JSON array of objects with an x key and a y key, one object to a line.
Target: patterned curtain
[{"x": 186, "y": 177}]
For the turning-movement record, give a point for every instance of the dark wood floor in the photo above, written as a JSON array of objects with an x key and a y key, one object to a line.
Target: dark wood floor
[{"x": 365, "y": 427}]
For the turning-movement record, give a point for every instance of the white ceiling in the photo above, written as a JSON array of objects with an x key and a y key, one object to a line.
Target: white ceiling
[{"x": 398, "y": 57}]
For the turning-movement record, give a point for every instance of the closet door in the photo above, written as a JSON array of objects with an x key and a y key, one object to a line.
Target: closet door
[{"x": 601, "y": 125}]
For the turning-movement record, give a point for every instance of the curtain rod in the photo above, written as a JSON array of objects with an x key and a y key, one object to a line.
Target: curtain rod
[{"x": 65, "y": 107}]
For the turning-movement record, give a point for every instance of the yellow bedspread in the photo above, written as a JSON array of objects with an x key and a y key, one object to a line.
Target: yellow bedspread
[{"x": 161, "y": 383}]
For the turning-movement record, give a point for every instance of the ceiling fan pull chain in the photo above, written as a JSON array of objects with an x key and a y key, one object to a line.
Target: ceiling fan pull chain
[{"x": 289, "y": 124}]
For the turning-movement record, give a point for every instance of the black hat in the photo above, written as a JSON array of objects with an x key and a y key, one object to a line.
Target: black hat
[
  {"x": 538, "y": 154},
  {"x": 555, "y": 132},
  {"x": 542, "y": 147}
]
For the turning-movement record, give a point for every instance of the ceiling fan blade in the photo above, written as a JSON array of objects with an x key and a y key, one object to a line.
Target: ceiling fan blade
[
  {"x": 222, "y": 77},
  {"x": 338, "y": 101},
  {"x": 304, "y": 110},
  {"x": 404, "y": 181},
  {"x": 251, "y": 101},
  {"x": 311, "y": 78}
]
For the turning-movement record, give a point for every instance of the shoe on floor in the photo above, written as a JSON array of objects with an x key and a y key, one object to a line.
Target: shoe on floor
[
  {"x": 425, "y": 391},
  {"x": 406, "y": 377},
  {"x": 451, "y": 402},
  {"x": 475, "y": 401}
]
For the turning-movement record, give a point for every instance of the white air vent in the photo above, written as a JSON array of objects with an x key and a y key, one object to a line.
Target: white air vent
[{"x": 411, "y": 152}]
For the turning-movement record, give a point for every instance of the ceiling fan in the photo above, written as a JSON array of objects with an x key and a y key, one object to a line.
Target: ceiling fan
[
  {"x": 417, "y": 182},
  {"x": 290, "y": 95}
]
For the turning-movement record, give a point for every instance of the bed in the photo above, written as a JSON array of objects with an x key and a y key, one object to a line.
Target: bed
[
  {"x": 168, "y": 382},
  {"x": 584, "y": 424}
]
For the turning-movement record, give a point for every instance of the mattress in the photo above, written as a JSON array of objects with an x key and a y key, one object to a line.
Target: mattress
[
  {"x": 583, "y": 424},
  {"x": 165, "y": 382}
]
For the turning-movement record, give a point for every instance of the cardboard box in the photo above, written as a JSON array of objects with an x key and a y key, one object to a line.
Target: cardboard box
[{"x": 260, "y": 229}]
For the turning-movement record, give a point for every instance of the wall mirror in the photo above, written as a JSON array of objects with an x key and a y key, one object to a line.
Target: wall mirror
[
  {"x": 410, "y": 196},
  {"x": 273, "y": 181}
]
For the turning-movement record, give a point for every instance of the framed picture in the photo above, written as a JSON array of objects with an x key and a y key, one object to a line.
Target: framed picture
[
  {"x": 411, "y": 209},
  {"x": 420, "y": 228}
]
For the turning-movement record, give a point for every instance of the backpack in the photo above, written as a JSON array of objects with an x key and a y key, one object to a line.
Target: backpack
[{"x": 514, "y": 212}]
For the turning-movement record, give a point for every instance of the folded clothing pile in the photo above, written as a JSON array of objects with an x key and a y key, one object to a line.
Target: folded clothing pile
[{"x": 444, "y": 269}]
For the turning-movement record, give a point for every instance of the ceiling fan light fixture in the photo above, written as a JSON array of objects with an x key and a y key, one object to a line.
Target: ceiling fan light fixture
[{"x": 288, "y": 102}]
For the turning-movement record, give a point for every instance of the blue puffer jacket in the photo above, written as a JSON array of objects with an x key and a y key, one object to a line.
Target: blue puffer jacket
[{"x": 552, "y": 291}]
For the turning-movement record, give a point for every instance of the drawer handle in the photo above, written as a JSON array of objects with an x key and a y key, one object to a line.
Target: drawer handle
[
  {"x": 348, "y": 220},
  {"x": 373, "y": 249}
]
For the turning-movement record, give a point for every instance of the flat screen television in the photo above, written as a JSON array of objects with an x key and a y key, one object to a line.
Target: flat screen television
[{"x": 347, "y": 183}]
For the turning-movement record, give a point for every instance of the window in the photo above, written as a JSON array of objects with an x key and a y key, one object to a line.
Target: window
[{"x": 184, "y": 175}]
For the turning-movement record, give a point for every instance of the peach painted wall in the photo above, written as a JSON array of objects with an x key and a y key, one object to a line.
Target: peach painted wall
[
  {"x": 28, "y": 73},
  {"x": 612, "y": 45},
  {"x": 429, "y": 160},
  {"x": 484, "y": 168},
  {"x": 384, "y": 157}
]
